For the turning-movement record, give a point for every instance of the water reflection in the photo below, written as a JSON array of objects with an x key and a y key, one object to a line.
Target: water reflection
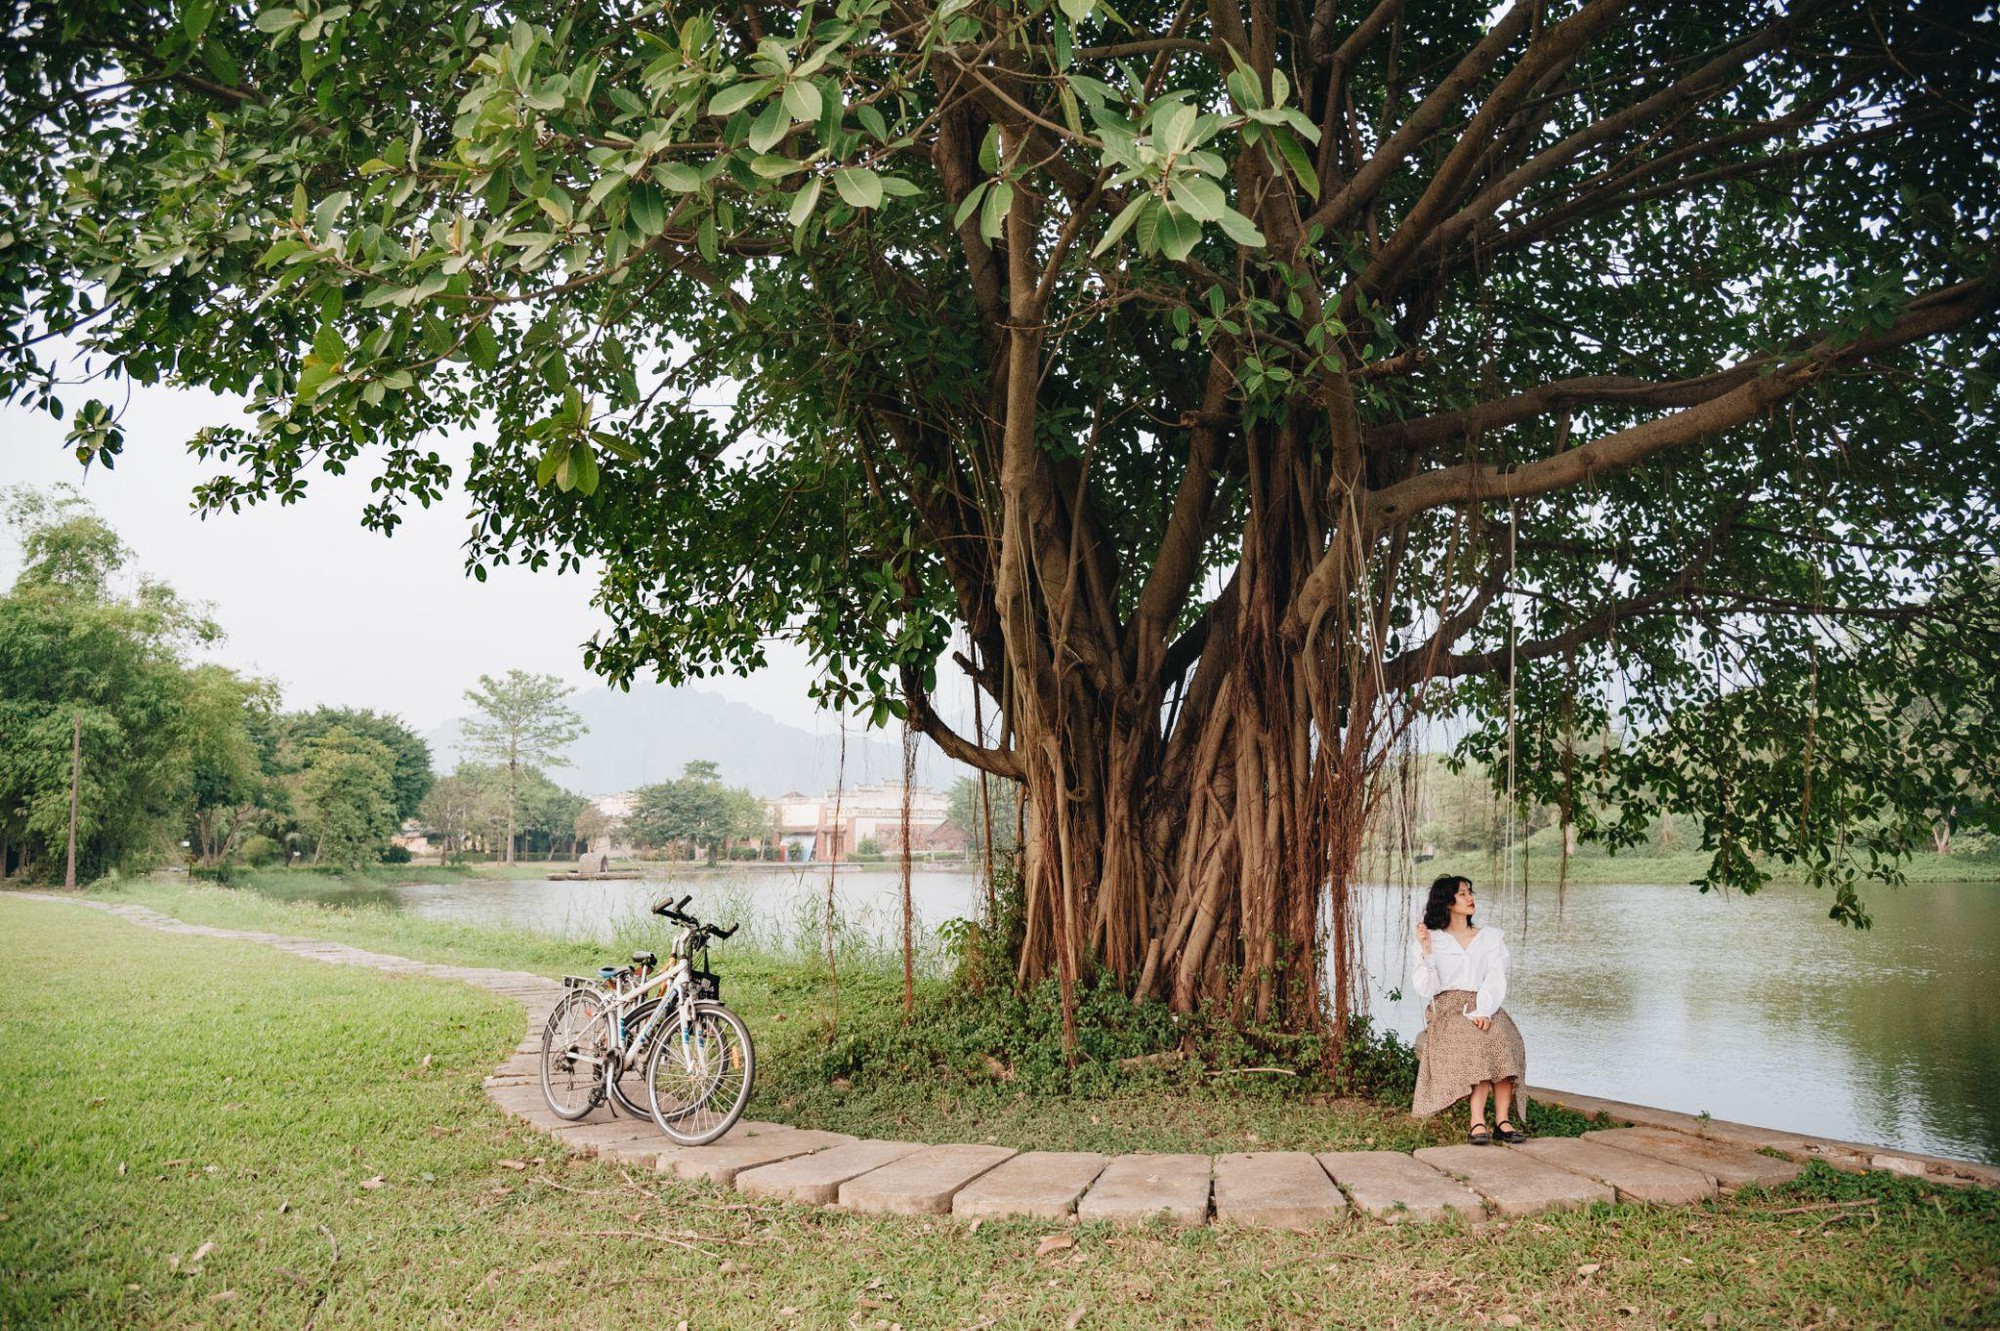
[{"x": 1757, "y": 1009}]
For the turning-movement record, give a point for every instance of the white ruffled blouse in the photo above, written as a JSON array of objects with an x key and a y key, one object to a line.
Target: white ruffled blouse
[{"x": 1480, "y": 967}]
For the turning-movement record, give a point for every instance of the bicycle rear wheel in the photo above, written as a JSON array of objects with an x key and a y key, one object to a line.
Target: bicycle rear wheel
[
  {"x": 574, "y": 1044},
  {"x": 699, "y": 1078}
]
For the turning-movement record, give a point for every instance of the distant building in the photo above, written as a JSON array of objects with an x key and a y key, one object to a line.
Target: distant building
[{"x": 833, "y": 826}]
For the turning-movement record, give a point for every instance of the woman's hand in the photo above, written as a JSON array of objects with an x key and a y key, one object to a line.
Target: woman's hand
[
  {"x": 1423, "y": 939},
  {"x": 1483, "y": 1023}
]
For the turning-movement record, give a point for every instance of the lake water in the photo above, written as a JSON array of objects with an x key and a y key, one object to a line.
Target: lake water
[{"x": 1756, "y": 1009}]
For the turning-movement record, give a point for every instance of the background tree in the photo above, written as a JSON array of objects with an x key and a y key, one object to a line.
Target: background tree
[
  {"x": 521, "y": 719},
  {"x": 548, "y": 815},
  {"x": 1237, "y": 383},
  {"x": 73, "y": 646},
  {"x": 696, "y": 809},
  {"x": 231, "y": 789},
  {"x": 592, "y": 823},
  {"x": 347, "y": 798},
  {"x": 459, "y": 807},
  {"x": 412, "y": 775},
  {"x": 1001, "y": 806}
]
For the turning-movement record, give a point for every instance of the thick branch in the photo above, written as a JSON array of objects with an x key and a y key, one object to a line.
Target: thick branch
[{"x": 1939, "y": 312}]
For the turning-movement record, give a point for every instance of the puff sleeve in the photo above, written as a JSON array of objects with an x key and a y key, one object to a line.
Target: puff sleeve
[
  {"x": 1424, "y": 974},
  {"x": 1493, "y": 988}
]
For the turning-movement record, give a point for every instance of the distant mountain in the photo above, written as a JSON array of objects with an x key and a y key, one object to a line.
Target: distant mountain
[{"x": 649, "y": 734}]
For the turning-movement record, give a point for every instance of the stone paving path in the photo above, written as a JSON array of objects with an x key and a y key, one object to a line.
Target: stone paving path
[{"x": 1288, "y": 1189}]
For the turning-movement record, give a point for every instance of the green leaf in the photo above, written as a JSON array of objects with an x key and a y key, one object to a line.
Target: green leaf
[
  {"x": 195, "y": 16},
  {"x": 482, "y": 348},
  {"x": 969, "y": 203},
  {"x": 1078, "y": 10},
  {"x": 804, "y": 202},
  {"x": 279, "y": 20},
  {"x": 772, "y": 166},
  {"x": 328, "y": 213},
  {"x": 989, "y": 150},
  {"x": 646, "y": 208},
  {"x": 1241, "y": 229},
  {"x": 1094, "y": 91},
  {"x": 898, "y": 188},
  {"x": 871, "y": 120},
  {"x": 737, "y": 96},
  {"x": 769, "y": 127},
  {"x": 802, "y": 99},
  {"x": 859, "y": 186},
  {"x": 1126, "y": 216},
  {"x": 545, "y": 470},
  {"x": 993, "y": 216},
  {"x": 1178, "y": 233},
  {"x": 1198, "y": 194},
  {"x": 1295, "y": 157},
  {"x": 678, "y": 177}
]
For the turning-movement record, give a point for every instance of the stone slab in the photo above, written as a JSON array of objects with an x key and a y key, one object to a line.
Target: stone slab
[
  {"x": 1043, "y": 1185},
  {"x": 1514, "y": 1183},
  {"x": 1730, "y": 1166},
  {"x": 1391, "y": 1186},
  {"x": 1638, "y": 1178},
  {"x": 596, "y": 1138},
  {"x": 1275, "y": 1190},
  {"x": 1850, "y": 1156},
  {"x": 817, "y": 1177},
  {"x": 1135, "y": 1188},
  {"x": 923, "y": 1182},
  {"x": 746, "y": 1147}
]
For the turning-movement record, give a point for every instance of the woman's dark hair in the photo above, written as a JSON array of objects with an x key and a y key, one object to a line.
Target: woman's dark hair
[{"x": 1437, "y": 910}]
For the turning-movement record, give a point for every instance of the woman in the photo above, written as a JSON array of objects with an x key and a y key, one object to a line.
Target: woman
[{"x": 1469, "y": 1045}]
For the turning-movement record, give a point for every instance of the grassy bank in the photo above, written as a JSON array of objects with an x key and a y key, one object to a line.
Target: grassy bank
[{"x": 258, "y": 1140}]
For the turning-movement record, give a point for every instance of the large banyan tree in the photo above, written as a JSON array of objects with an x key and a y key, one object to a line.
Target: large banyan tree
[{"x": 1224, "y": 388}]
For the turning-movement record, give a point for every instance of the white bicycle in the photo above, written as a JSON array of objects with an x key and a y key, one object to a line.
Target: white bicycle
[{"x": 693, "y": 1055}]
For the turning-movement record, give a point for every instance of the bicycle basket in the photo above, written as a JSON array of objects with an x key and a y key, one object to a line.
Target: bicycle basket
[
  {"x": 581, "y": 982},
  {"x": 706, "y": 985}
]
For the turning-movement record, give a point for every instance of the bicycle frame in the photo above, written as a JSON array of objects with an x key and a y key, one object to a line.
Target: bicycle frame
[{"x": 676, "y": 985}]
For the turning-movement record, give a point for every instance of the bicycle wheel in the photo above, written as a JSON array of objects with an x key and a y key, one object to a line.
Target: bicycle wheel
[
  {"x": 626, "y": 1094},
  {"x": 699, "y": 1078},
  {"x": 573, "y": 1048}
]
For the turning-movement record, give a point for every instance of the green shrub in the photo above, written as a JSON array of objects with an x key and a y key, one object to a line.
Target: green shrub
[
  {"x": 258, "y": 851},
  {"x": 396, "y": 855}
]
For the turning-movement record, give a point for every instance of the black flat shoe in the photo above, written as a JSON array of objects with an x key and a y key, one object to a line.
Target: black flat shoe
[
  {"x": 1510, "y": 1133},
  {"x": 1479, "y": 1136}
]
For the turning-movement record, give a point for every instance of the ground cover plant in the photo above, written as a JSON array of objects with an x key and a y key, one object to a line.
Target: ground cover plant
[{"x": 276, "y": 1142}]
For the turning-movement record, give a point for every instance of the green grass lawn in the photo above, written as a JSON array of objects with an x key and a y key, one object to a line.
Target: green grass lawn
[{"x": 224, "y": 1135}]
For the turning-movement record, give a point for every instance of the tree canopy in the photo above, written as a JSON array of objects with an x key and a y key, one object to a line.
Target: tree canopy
[
  {"x": 89, "y": 656},
  {"x": 1223, "y": 388},
  {"x": 695, "y": 808}
]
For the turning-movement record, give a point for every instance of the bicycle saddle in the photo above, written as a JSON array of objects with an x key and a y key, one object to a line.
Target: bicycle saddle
[{"x": 645, "y": 959}]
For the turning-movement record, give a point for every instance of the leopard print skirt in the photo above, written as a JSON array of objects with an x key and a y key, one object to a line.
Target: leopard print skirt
[{"x": 1454, "y": 1054}]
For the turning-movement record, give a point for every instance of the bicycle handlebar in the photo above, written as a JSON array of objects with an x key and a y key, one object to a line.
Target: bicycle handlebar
[{"x": 676, "y": 911}]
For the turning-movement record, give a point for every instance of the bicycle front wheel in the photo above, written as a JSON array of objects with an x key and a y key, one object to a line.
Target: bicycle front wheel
[
  {"x": 699, "y": 1076},
  {"x": 574, "y": 1044}
]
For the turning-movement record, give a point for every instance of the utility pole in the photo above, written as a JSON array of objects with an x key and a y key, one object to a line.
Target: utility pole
[{"x": 75, "y": 771}]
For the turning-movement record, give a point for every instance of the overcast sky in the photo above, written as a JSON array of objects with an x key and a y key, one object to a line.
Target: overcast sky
[{"x": 336, "y": 613}]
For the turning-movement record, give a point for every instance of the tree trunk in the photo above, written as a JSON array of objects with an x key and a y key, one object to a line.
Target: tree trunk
[
  {"x": 1208, "y": 858},
  {"x": 75, "y": 778},
  {"x": 512, "y": 766}
]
